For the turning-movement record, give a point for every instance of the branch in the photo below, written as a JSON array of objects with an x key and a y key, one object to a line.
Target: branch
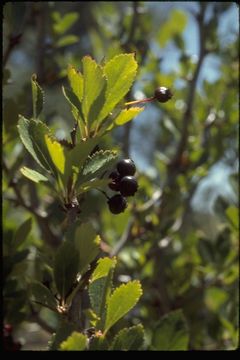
[
  {"x": 187, "y": 116},
  {"x": 123, "y": 239}
]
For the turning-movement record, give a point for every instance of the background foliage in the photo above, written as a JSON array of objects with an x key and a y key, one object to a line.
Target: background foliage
[{"x": 179, "y": 236}]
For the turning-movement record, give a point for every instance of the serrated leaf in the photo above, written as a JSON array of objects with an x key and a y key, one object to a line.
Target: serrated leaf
[
  {"x": 122, "y": 300},
  {"x": 66, "y": 267},
  {"x": 67, "y": 40},
  {"x": 22, "y": 233},
  {"x": 75, "y": 79},
  {"x": 43, "y": 295},
  {"x": 56, "y": 152},
  {"x": 37, "y": 96},
  {"x": 92, "y": 85},
  {"x": 100, "y": 285},
  {"x": 33, "y": 175},
  {"x": 120, "y": 73},
  {"x": 76, "y": 157},
  {"x": 171, "y": 332},
  {"x": 127, "y": 115},
  {"x": 75, "y": 342},
  {"x": 128, "y": 339},
  {"x": 64, "y": 330},
  {"x": 86, "y": 243},
  {"x": 95, "y": 165}
]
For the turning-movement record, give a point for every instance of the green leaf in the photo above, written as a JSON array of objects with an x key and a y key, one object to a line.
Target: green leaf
[
  {"x": 76, "y": 341},
  {"x": 23, "y": 128},
  {"x": 22, "y": 233},
  {"x": 76, "y": 157},
  {"x": 56, "y": 152},
  {"x": 215, "y": 298},
  {"x": 33, "y": 175},
  {"x": 128, "y": 339},
  {"x": 99, "y": 162},
  {"x": 99, "y": 342},
  {"x": 122, "y": 300},
  {"x": 120, "y": 73},
  {"x": 172, "y": 27},
  {"x": 43, "y": 295},
  {"x": 66, "y": 267},
  {"x": 92, "y": 184},
  {"x": 100, "y": 284},
  {"x": 127, "y": 115},
  {"x": 63, "y": 24},
  {"x": 232, "y": 213},
  {"x": 75, "y": 79},
  {"x": 86, "y": 243},
  {"x": 92, "y": 86},
  {"x": 171, "y": 333},
  {"x": 38, "y": 97},
  {"x": 67, "y": 40},
  {"x": 64, "y": 330}
]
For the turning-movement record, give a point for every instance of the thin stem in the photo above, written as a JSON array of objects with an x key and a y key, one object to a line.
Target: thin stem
[{"x": 140, "y": 101}]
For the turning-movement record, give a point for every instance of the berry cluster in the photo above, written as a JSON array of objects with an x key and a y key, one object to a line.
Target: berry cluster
[
  {"x": 124, "y": 182},
  {"x": 8, "y": 341}
]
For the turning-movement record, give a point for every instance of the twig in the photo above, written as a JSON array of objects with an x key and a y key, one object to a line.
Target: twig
[{"x": 123, "y": 239}]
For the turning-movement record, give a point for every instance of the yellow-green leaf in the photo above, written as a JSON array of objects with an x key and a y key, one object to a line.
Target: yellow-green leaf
[
  {"x": 75, "y": 79},
  {"x": 75, "y": 342},
  {"x": 92, "y": 85},
  {"x": 120, "y": 73},
  {"x": 33, "y": 175},
  {"x": 127, "y": 115},
  {"x": 122, "y": 300},
  {"x": 56, "y": 153}
]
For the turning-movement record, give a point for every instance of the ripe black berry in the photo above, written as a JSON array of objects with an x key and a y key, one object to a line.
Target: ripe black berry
[
  {"x": 128, "y": 186},
  {"x": 163, "y": 94},
  {"x": 117, "y": 204},
  {"x": 116, "y": 177},
  {"x": 126, "y": 167}
]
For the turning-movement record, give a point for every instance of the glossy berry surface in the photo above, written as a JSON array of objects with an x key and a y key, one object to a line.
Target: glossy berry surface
[
  {"x": 126, "y": 167},
  {"x": 163, "y": 94},
  {"x": 117, "y": 204},
  {"x": 116, "y": 177},
  {"x": 128, "y": 186}
]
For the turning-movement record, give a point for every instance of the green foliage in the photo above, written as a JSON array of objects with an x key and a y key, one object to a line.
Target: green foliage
[
  {"x": 38, "y": 97},
  {"x": 122, "y": 300},
  {"x": 22, "y": 233},
  {"x": 76, "y": 341},
  {"x": 128, "y": 339},
  {"x": 86, "y": 243},
  {"x": 66, "y": 268},
  {"x": 171, "y": 333},
  {"x": 42, "y": 295},
  {"x": 101, "y": 284},
  {"x": 33, "y": 174}
]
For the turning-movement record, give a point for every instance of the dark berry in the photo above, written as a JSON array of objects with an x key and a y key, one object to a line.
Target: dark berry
[
  {"x": 116, "y": 177},
  {"x": 163, "y": 94},
  {"x": 128, "y": 186},
  {"x": 117, "y": 204},
  {"x": 126, "y": 167},
  {"x": 8, "y": 328}
]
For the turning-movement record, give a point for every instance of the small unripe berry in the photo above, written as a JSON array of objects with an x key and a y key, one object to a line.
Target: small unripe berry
[
  {"x": 117, "y": 204},
  {"x": 163, "y": 94},
  {"x": 126, "y": 167},
  {"x": 128, "y": 186}
]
